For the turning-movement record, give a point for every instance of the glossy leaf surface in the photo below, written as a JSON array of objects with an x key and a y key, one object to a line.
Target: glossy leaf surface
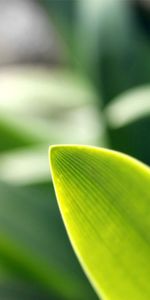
[{"x": 104, "y": 199}]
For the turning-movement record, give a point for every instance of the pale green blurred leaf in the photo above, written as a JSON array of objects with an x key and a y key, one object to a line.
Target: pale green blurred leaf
[
  {"x": 128, "y": 119},
  {"x": 129, "y": 107},
  {"x": 38, "y": 106},
  {"x": 38, "y": 91}
]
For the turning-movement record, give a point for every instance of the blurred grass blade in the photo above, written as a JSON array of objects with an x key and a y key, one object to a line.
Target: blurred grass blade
[
  {"x": 14, "y": 166},
  {"x": 13, "y": 134},
  {"x": 104, "y": 199},
  {"x": 128, "y": 119},
  {"x": 129, "y": 107},
  {"x": 38, "y": 106},
  {"x": 28, "y": 91}
]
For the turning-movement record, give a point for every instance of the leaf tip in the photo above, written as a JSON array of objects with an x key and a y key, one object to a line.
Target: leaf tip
[
  {"x": 55, "y": 154},
  {"x": 53, "y": 149}
]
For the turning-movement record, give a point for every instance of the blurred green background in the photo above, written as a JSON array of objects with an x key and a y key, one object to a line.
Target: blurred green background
[{"x": 71, "y": 71}]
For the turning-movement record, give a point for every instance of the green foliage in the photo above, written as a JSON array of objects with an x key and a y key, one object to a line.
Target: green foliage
[
  {"x": 104, "y": 200},
  {"x": 103, "y": 51}
]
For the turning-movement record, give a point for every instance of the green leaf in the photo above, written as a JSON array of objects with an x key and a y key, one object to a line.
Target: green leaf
[{"x": 104, "y": 199}]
